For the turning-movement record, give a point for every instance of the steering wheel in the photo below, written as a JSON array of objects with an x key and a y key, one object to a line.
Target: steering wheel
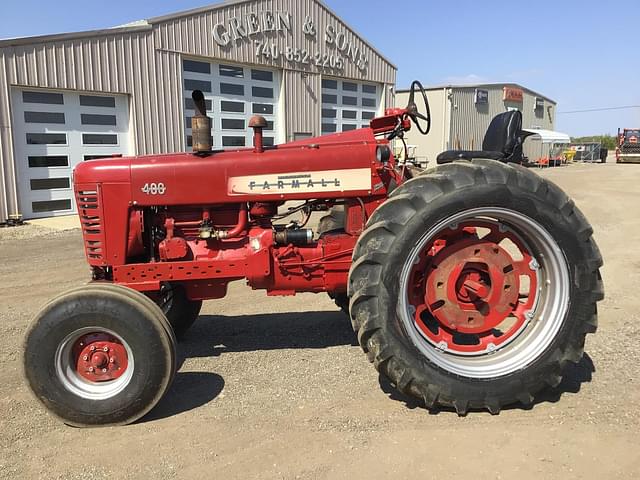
[{"x": 412, "y": 108}]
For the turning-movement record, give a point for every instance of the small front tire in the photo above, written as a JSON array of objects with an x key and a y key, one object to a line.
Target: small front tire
[{"x": 100, "y": 355}]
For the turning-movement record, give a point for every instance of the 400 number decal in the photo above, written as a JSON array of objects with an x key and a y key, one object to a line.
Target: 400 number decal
[{"x": 154, "y": 189}]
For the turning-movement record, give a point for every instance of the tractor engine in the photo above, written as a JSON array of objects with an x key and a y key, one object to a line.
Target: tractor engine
[{"x": 206, "y": 247}]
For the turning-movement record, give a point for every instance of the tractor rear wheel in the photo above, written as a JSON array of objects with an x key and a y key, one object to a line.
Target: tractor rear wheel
[
  {"x": 181, "y": 312},
  {"x": 474, "y": 285},
  {"x": 99, "y": 355}
]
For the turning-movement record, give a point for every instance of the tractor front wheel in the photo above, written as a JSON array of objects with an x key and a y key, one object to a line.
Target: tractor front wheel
[
  {"x": 474, "y": 285},
  {"x": 100, "y": 355}
]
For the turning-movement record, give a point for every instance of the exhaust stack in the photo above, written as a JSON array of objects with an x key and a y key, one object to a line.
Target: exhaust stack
[{"x": 200, "y": 125}]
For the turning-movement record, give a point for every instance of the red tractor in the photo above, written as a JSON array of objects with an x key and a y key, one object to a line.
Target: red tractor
[{"x": 470, "y": 285}]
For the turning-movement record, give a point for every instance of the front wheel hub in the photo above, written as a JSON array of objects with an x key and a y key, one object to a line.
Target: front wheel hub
[{"x": 100, "y": 357}]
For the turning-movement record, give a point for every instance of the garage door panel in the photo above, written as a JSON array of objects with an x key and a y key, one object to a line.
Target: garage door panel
[
  {"x": 54, "y": 132},
  {"x": 233, "y": 94},
  {"x": 348, "y": 105}
]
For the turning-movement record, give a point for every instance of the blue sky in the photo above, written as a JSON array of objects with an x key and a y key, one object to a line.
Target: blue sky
[{"x": 572, "y": 51}]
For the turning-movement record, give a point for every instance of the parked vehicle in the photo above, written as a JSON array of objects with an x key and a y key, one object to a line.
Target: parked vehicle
[{"x": 628, "y": 150}]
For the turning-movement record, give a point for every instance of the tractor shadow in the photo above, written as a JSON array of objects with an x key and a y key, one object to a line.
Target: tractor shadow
[
  {"x": 215, "y": 335},
  {"x": 573, "y": 378},
  {"x": 189, "y": 391}
]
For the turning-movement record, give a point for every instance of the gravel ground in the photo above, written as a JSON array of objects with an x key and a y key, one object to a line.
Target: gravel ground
[{"x": 276, "y": 388}]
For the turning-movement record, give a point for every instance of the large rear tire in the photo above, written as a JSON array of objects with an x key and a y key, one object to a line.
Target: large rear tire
[
  {"x": 99, "y": 355},
  {"x": 474, "y": 285}
]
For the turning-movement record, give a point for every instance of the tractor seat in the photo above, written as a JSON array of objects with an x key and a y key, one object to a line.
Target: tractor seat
[{"x": 503, "y": 141}]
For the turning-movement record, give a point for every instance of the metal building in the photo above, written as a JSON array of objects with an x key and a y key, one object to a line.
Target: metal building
[
  {"x": 73, "y": 97},
  {"x": 461, "y": 115}
]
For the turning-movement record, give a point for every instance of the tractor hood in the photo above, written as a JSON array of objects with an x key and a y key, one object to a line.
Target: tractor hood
[{"x": 322, "y": 167}]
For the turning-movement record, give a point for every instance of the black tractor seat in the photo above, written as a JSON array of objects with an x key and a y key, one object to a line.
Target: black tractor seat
[{"x": 503, "y": 141}]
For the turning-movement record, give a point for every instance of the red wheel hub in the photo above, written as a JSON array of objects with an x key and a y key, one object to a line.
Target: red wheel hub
[
  {"x": 467, "y": 288},
  {"x": 99, "y": 357}
]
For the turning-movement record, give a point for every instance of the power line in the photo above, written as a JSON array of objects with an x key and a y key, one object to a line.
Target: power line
[{"x": 601, "y": 109}]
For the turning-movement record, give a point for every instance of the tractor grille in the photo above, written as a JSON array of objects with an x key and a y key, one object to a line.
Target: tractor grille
[
  {"x": 633, "y": 148},
  {"x": 90, "y": 211}
]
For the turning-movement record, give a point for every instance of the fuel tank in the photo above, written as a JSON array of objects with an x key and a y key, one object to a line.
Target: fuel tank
[{"x": 340, "y": 165}]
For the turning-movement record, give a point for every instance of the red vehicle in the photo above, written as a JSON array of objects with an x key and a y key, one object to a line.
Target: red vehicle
[
  {"x": 471, "y": 285},
  {"x": 628, "y": 150}
]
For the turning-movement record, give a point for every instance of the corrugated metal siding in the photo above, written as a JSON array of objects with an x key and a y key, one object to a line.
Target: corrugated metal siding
[
  {"x": 469, "y": 122},
  {"x": 193, "y": 35},
  {"x": 8, "y": 200},
  {"x": 303, "y": 101}
]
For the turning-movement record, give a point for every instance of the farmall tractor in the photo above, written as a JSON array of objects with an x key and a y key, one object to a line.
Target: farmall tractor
[{"x": 470, "y": 286}]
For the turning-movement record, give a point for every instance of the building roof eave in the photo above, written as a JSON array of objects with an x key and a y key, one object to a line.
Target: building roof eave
[{"x": 480, "y": 85}]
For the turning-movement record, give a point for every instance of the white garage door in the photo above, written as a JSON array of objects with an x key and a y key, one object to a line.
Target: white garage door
[
  {"x": 55, "y": 131},
  {"x": 233, "y": 95},
  {"x": 348, "y": 105}
]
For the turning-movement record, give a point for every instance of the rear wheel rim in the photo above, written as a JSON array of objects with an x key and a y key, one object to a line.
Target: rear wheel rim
[
  {"x": 94, "y": 363},
  {"x": 454, "y": 304}
]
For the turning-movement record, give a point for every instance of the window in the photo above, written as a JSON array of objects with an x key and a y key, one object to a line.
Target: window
[
  {"x": 262, "y": 75},
  {"x": 49, "y": 183},
  {"x": 231, "y": 89},
  {"x": 93, "y": 119},
  {"x": 95, "y": 101},
  {"x": 329, "y": 99},
  {"x": 350, "y": 100},
  {"x": 227, "y": 106},
  {"x": 369, "y": 89},
  {"x": 263, "y": 108},
  {"x": 43, "y": 97},
  {"x": 350, "y": 114},
  {"x": 45, "y": 161},
  {"x": 369, "y": 102},
  {"x": 262, "y": 92},
  {"x": 99, "y": 139},
  {"x": 43, "y": 117},
  {"x": 198, "y": 67},
  {"x": 50, "y": 206},
  {"x": 348, "y": 126},
  {"x": 368, "y": 115},
  {"x": 94, "y": 157},
  {"x": 46, "y": 139},
  {"x": 233, "y": 141},
  {"x": 329, "y": 128},
  {"x": 192, "y": 85},
  {"x": 230, "y": 71},
  {"x": 330, "y": 84},
  {"x": 329, "y": 113},
  {"x": 349, "y": 87},
  {"x": 232, "y": 124},
  {"x": 268, "y": 141}
]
